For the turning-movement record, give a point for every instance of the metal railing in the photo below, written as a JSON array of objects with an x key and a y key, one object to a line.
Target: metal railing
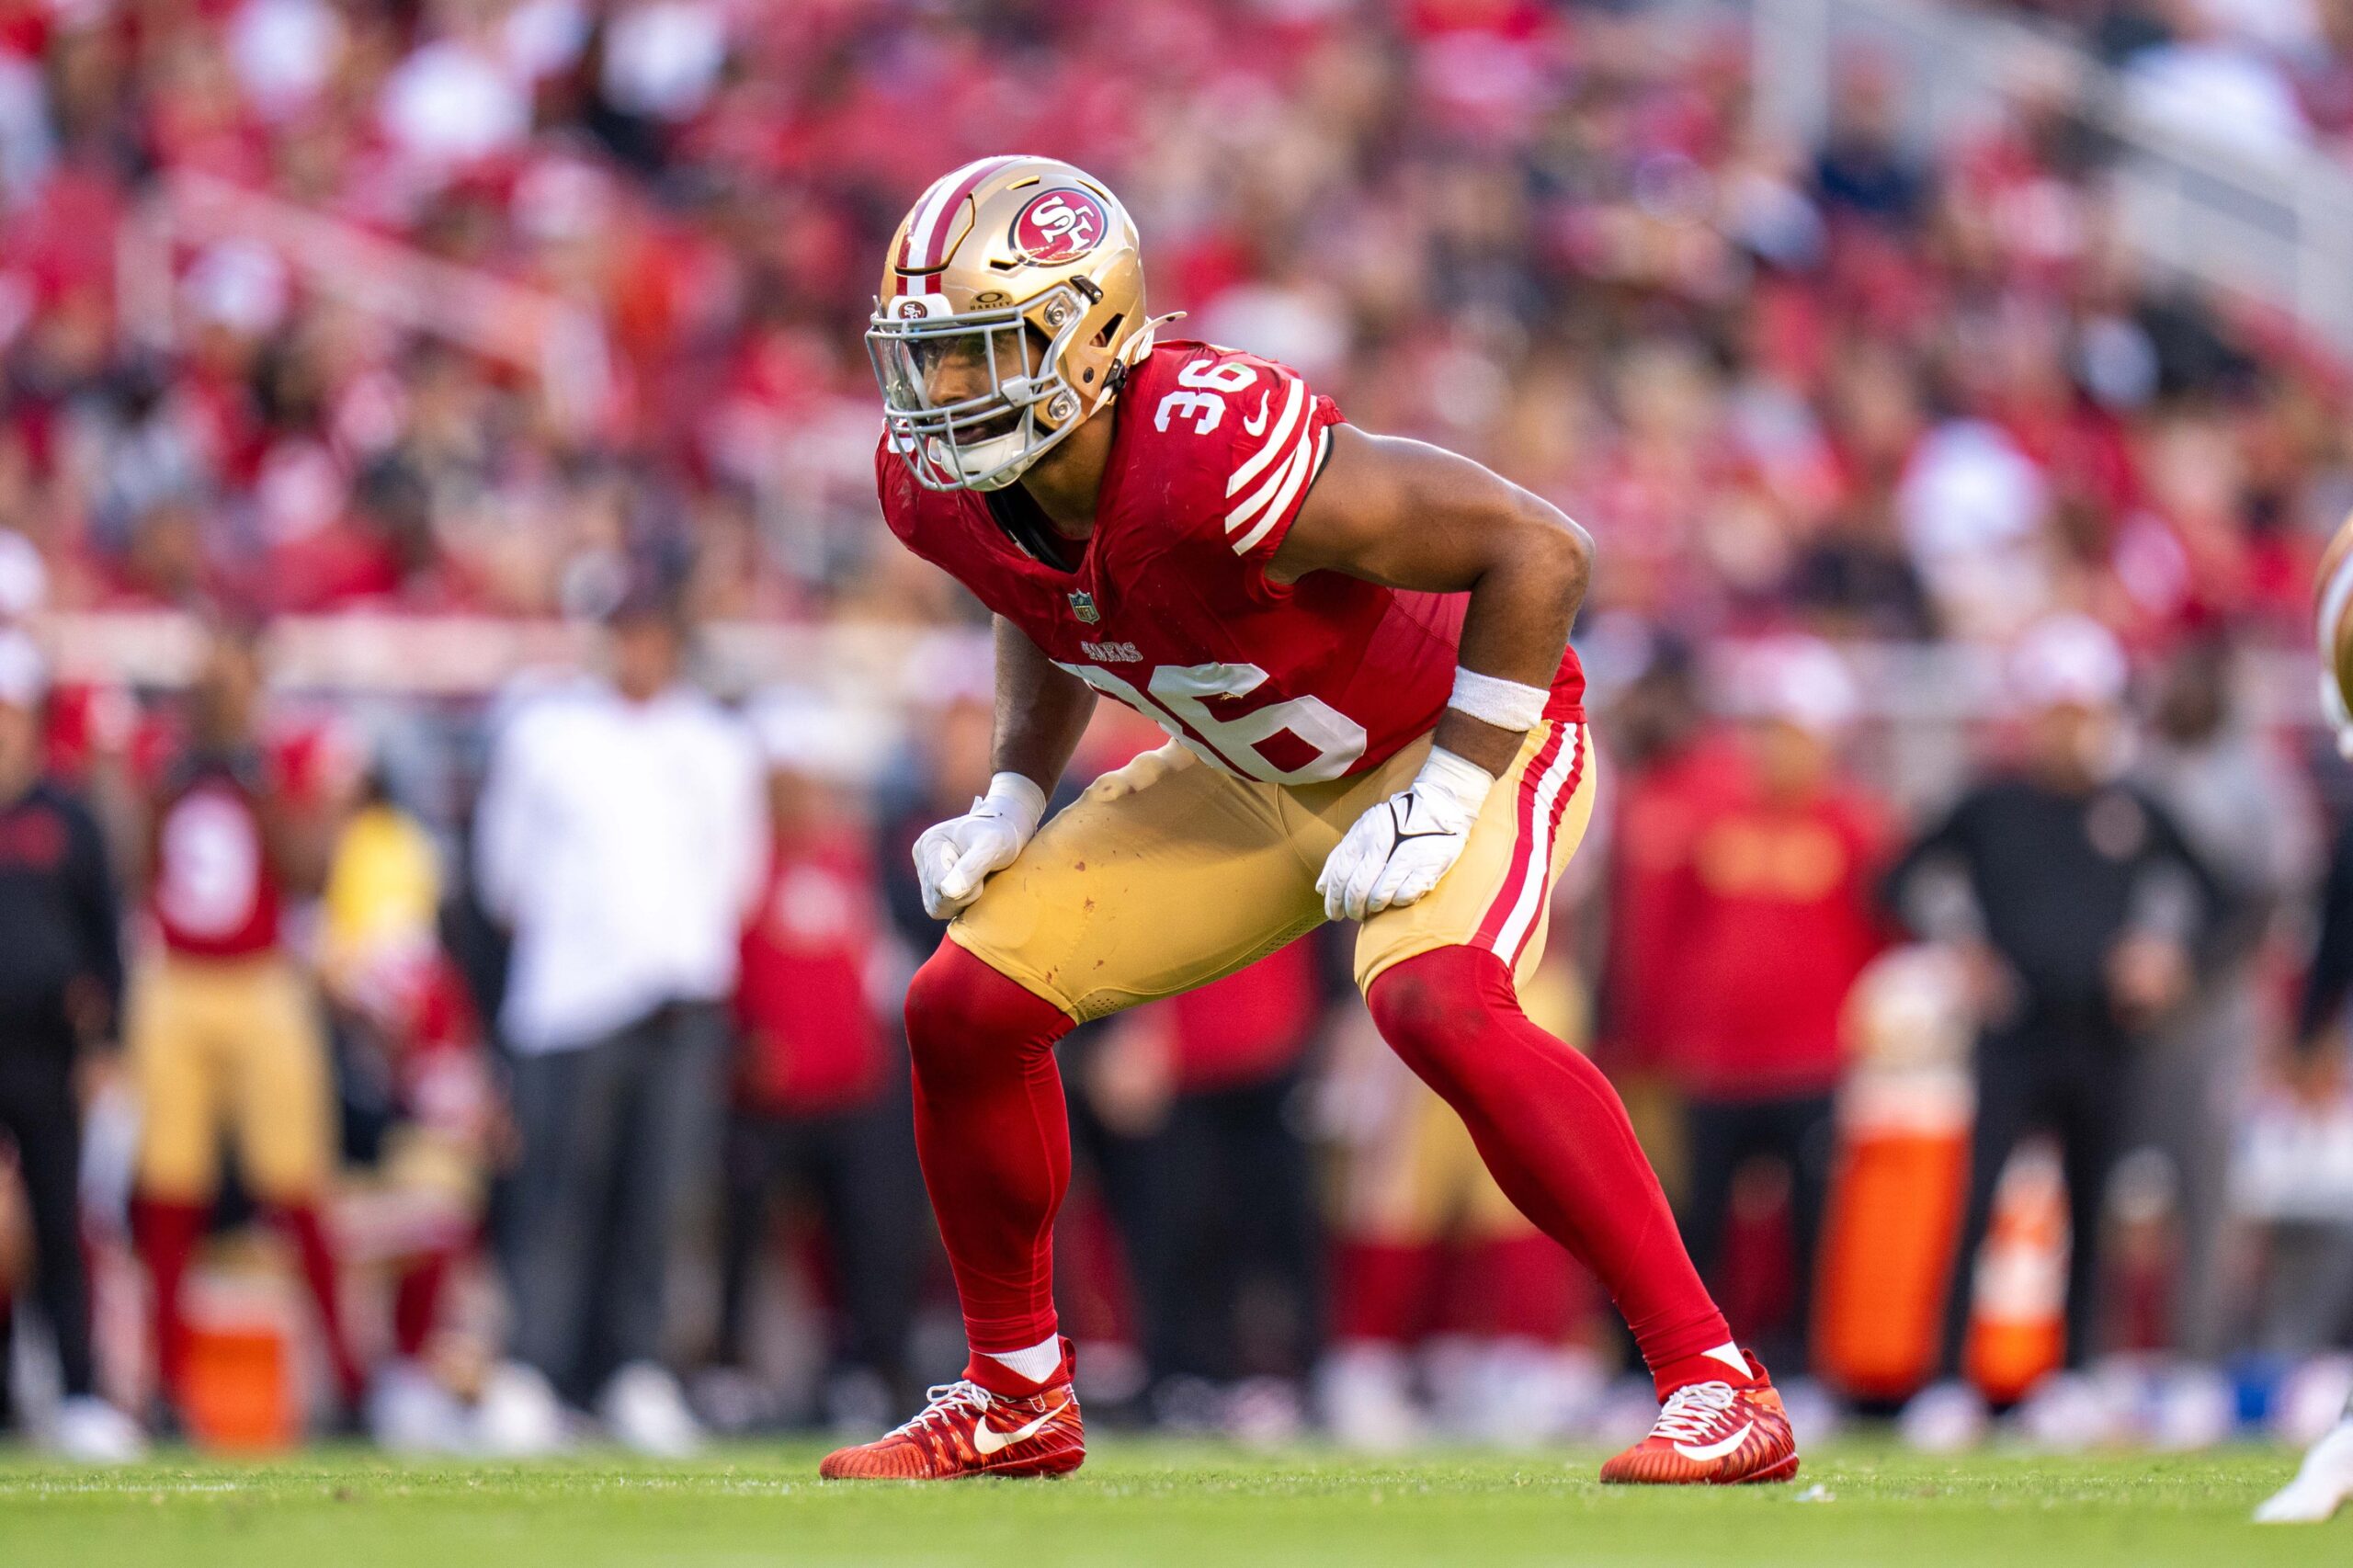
[
  {"x": 1923, "y": 706},
  {"x": 2275, "y": 225},
  {"x": 559, "y": 341}
]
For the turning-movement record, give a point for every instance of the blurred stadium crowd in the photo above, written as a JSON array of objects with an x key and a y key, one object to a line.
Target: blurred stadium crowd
[{"x": 492, "y": 1052}]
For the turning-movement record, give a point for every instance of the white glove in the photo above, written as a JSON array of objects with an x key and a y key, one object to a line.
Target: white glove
[
  {"x": 1397, "y": 851},
  {"x": 954, "y": 858}
]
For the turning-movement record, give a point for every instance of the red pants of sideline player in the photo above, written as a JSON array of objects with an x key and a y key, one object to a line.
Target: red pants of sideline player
[{"x": 994, "y": 1136}]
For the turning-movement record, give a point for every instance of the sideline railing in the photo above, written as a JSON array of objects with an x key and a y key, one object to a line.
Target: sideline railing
[
  {"x": 558, "y": 341},
  {"x": 2275, "y": 225}
]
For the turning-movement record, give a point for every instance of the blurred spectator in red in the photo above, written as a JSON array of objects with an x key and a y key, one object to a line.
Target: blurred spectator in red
[
  {"x": 225, "y": 1034},
  {"x": 1773, "y": 916},
  {"x": 819, "y": 1110},
  {"x": 1666, "y": 766}
]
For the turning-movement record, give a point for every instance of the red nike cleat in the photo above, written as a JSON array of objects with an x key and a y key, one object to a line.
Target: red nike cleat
[
  {"x": 964, "y": 1429},
  {"x": 1712, "y": 1434}
]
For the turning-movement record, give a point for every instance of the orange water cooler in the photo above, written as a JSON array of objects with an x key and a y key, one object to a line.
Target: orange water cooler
[
  {"x": 243, "y": 1386},
  {"x": 1898, "y": 1187}
]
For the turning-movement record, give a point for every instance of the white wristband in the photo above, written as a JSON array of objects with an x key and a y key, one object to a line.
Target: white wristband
[
  {"x": 1458, "y": 777},
  {"x": 1505, "y": 704},
  {"x": 1016, "y": 798}
]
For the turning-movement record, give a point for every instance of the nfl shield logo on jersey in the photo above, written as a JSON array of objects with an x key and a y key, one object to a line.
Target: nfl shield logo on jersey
[{"x": 1082, "y": 605}]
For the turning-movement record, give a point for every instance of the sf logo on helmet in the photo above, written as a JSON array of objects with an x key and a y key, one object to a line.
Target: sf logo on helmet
[{"x": 1060, "y": 226}]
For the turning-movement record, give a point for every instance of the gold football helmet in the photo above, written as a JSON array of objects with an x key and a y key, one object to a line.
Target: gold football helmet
[
  {"x": 1011, "y": 308},
  {"x": 2333, "y": 615}
]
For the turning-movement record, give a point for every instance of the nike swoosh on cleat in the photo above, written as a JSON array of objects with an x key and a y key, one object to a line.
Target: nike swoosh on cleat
[
  {"x": 1701, "y": 1456},
  {"x": 988, "y": 1440}
]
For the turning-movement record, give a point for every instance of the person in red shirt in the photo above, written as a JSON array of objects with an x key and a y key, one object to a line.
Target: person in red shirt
[
  {"x": 1773, "y": 913},
  {"x": 224, "y": 1031},
  {"x": 819, "y": 1100},
  {"x": 1670, "y": 764}
]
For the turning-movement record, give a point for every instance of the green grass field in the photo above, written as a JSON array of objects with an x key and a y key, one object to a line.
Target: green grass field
[{"x": 1147, "y": 1501}]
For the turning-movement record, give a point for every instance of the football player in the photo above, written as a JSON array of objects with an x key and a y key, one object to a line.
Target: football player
[
  {"x": 1358, "y": 646},
  {"x": 224, "y": 1034},
  {"x": 2325, "y": 1479}
]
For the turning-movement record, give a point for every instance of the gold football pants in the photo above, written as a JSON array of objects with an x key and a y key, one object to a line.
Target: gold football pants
[{"x": 1169, "y": 872}]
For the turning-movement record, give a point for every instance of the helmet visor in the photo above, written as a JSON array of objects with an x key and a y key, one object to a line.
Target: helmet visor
[
  {"x": 964, "y": 367},
  {"x": 961, "y": 393}
]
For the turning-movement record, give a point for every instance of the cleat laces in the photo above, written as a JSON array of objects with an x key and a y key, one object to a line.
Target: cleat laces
[
  {"x": 1691, "y": 1413},
  {"x": 942, "y": 1402}
]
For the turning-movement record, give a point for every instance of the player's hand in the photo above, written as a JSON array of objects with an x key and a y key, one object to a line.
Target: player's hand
[
  {"x": 97, "y": 1072},
  {"x": 2146, "y": 975},
  {"x": 1397, "y": 851},
  {"x": 954, "y": 858},
  {"x": 1993, "y": 986}
]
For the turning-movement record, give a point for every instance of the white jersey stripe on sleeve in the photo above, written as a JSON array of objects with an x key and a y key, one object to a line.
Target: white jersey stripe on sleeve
[
  {"x": 1266, "y": 454},
  {"x": 1293, "y": 479},
  {"x": 1252, "y": 504}
]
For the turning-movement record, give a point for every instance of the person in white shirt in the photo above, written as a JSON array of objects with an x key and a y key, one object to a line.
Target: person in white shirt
[{"x": 620, "y": 837}]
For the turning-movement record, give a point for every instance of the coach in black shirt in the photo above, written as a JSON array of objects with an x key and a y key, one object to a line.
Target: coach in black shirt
[
  {"x": 2081, "y": 906},
  {"x": 61, "y": 991}
]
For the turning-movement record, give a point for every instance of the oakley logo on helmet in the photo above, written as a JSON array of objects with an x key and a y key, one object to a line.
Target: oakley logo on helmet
[{"x": 1059, "y": 226}]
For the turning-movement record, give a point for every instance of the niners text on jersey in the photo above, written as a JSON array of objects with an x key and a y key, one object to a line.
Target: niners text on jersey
[{"x": 1168, "y": 605}]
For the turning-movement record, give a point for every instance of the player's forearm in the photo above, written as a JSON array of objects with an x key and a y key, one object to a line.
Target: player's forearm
[
  {"x": 1041, "y": 710},
  {"x": 297, "y": 845},
  {"x": 1412, "y": 515},
  {"x": 1517, "y": 623}
]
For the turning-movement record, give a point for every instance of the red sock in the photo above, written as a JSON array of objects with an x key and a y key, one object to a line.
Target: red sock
[
  {"x": 166, "y": 1234},
  {"x": 993, "y": 1137},
  {"x": 1556, "y": 1138},
  {"x": 417, "y": 1301},
  {"x": 300, "y": 1223},
  {"x": 1381, "y": 1291}
]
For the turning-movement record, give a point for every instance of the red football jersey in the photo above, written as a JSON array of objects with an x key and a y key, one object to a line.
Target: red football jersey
[
  {"x": 1774, "y": 916},
  {"x": 215, "y": 892},
  {"x": 812, "y": 1041},
  {"x": 1169, "y": 607}
]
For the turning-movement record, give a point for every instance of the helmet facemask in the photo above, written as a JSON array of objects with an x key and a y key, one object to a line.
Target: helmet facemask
[{"x": 972, "y": 399}]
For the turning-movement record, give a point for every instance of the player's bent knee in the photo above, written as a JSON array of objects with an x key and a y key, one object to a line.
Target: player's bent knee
[
  {"x": 1435, "y": 1008},
  {"x": 965, "y": 1018}
]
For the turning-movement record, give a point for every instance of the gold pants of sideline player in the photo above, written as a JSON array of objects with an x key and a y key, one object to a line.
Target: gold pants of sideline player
[
  {"x": 1169, "y": 874},
  {"x": 230, "y": 1046}
]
